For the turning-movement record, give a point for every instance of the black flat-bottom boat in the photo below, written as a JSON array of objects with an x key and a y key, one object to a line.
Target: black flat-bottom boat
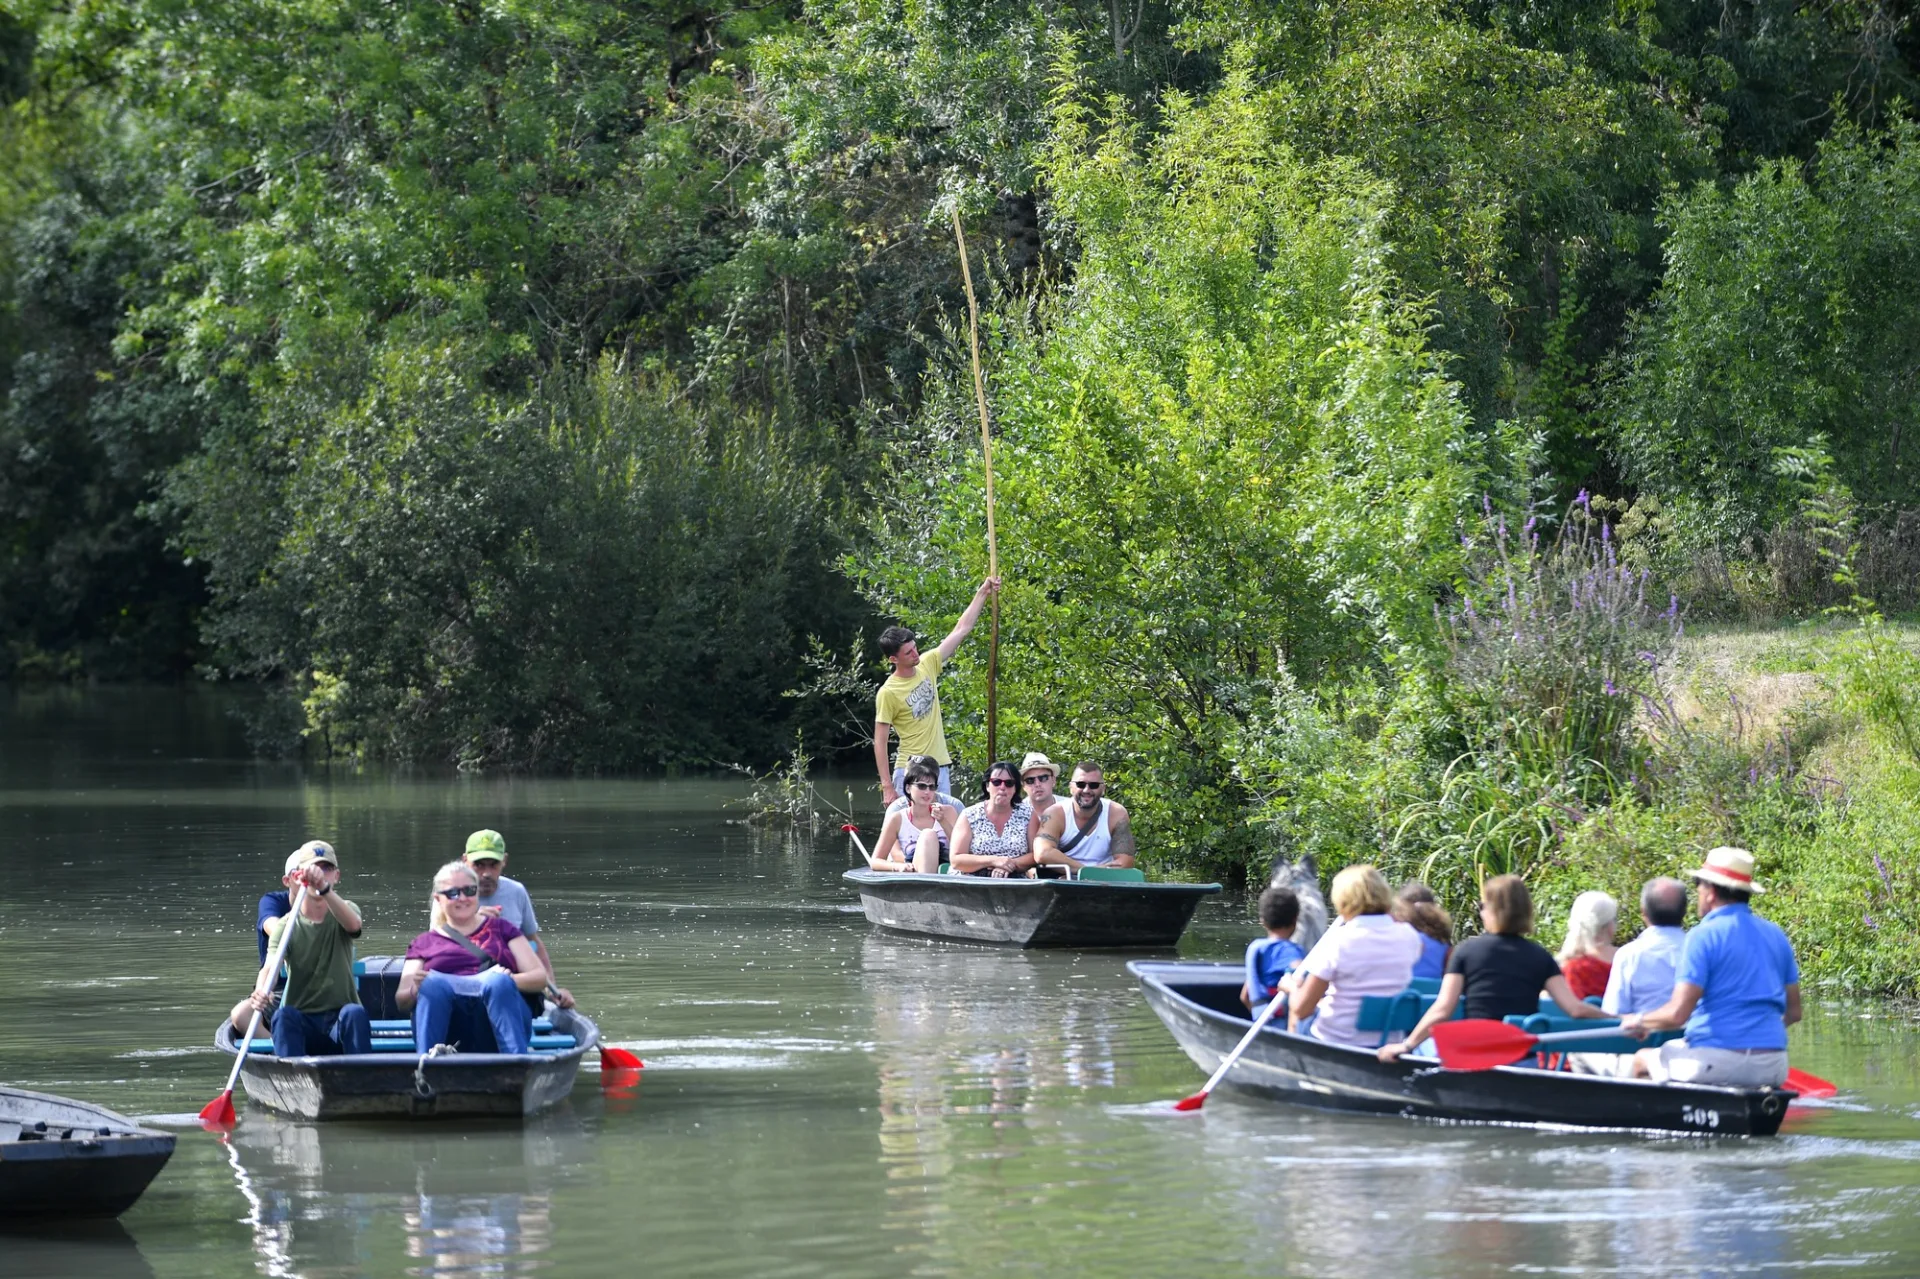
[
  {"x": 396, "y": 1082},
  {"x": 69, "y": 1159},
  {"x": 1100, "y": 914},
  {"x": 1200, "y": 1004}
]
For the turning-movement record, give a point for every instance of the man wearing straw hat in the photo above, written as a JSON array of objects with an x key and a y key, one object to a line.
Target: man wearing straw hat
[{"x": 1738, "y": 989}]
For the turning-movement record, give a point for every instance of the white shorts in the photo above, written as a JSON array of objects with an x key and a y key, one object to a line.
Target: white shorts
[{"x": 1675, "y": 1061}]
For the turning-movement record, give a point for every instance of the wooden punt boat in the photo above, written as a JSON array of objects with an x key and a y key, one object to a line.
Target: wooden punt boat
[
  {"x": 1087, "y": 913},
  {"x": 1200, "y": 1004},
  {"x": 395, "y": 1082},
  {"x": 69, "y": 1159}
]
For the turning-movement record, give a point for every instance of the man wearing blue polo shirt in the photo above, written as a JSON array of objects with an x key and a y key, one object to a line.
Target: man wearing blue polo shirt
[{"x": 1738, "y": 989}]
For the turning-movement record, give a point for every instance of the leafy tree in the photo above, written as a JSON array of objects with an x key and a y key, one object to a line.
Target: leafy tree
[
  {"x": 1226, "y": 461},
  {"x": 1789, "y": 319}
]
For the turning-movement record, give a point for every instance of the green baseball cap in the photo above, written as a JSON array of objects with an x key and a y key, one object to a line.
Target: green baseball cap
[{"x": 486, "y": 845}]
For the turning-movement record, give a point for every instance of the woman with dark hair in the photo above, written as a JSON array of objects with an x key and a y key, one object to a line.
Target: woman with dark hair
[
  {"x": 1416, "y": 905},
  {"x": 915, "y": 838},
  {"x": 995, "y": 836},
  {"x": 1501, "y": 972}
]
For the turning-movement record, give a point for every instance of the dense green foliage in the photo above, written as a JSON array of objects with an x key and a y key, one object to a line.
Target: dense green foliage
[{"x": 567, "y": 383}]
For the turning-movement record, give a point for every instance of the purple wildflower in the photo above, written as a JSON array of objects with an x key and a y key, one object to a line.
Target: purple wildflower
[
  {"x": 1584, "y": 502},
  {"x": 1886, "y": 876},
  {"x": 1611, "y": 690},
  {"x": 1868, "y": 920}
]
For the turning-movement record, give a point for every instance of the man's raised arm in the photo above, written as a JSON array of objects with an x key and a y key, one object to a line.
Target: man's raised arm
[{"x": 951, "y": 644}]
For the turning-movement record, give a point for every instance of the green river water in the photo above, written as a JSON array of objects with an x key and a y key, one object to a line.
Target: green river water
[{"x": 819, "y": 1099}]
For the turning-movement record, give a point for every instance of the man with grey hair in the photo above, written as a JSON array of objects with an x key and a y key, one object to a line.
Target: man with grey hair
[{"x": 1644, "y": 968}]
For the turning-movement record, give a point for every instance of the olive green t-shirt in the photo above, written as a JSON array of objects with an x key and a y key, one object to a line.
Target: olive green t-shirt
[{"x": 319, "y": 963}]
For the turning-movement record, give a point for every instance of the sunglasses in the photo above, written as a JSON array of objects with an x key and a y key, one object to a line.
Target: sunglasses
[
  {"x": 1000, "y": 781},
  {"x": 1088, "y": 785},
  {"x": 1037, "y": 778},
  {"x": 922, "y": 785},
  {"x": 465, "y": 890}
]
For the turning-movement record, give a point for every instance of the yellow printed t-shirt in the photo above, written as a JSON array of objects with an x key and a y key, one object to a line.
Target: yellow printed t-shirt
[{"x": 912, "y": 708}]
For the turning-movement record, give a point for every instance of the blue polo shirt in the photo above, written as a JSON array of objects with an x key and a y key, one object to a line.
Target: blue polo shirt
[
  {"x": 1743, "y": 965},
  {"x": 272, "y": 906},
  {"x": 1267, "y": 959}
]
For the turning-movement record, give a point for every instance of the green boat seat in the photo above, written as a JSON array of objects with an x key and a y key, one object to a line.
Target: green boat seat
[{"x": 1114, "y": 874}]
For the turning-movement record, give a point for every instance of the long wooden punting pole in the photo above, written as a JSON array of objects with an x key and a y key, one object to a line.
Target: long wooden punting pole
[{"x": 986, "y": 452}]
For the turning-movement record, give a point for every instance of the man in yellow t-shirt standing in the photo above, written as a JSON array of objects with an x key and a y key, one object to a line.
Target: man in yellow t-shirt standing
[{"x": 908, "y": 703}]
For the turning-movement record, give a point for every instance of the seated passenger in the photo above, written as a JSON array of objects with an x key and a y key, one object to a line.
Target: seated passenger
[
  {"x": 464, "y": 976},
  {"x": 1091, "y": 831},
  {"x": 995, "y": 836},
  {"x": 916, "y": 836},
  {"x": 1738, "y": 989},
  {"x": 1368, "y": 952},
  {"x": 1586, "y": 956},
  {"x": 940, "y": 797},
  {"x": 1271, "y": 957},
  {"x": 1501, "y": 972},
  {"x": 499, "y": 895},
  {"x": 1038, "y": 776},
  {"x": 1644, "y": 969},
  {"x": 1416, "y": 905},
  {"x": 319, "y": 1011}
]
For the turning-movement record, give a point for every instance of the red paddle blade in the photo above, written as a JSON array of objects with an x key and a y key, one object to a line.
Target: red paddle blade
[
  {"x": 1481, "y": 1044},
  {"x": 1194, "y": 1102},
  {"x": 619, "y": 1059},
  {"x": 1809, "y": 1085},
  {"x": 218, "y": 1113}
]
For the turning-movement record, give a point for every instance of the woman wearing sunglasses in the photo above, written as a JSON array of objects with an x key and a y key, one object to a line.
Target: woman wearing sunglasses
[
  {"x": 915, "y": 838},
  {"x": 995, "y": 836},
  {"x": 464, "y": 976}
]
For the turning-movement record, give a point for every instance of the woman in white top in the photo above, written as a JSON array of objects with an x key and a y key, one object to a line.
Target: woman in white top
[
  {"x": 1368, "y": 952},
  {"x": 995, "y": 836},
  {"x": 915, "y": 838}
]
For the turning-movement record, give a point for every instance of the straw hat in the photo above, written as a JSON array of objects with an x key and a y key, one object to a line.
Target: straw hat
[
  {"x": 1729, "y": 868},
  {"x": 1035, "y": 760}
]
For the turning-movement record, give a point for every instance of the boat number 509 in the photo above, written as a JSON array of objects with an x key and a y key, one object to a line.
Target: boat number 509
[{"x": 1700, "y": 1116}]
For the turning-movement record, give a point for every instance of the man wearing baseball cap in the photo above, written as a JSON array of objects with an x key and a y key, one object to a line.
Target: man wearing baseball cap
[
  {"x": 319, "y": 1011},
  {"x": 507, "y": 898},
  {"x": 1738, "y": 989}
]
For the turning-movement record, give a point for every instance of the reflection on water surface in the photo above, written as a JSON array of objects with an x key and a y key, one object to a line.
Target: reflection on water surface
[{"x": 821, "y": 1099}]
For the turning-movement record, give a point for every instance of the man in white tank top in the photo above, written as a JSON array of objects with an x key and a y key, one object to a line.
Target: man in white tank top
[{"x": 1091, "y": 831}]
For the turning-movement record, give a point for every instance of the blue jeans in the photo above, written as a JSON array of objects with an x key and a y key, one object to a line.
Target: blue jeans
[
  {"x": 344, "y": 1030},
  {"x": 495, "y": 1020}
]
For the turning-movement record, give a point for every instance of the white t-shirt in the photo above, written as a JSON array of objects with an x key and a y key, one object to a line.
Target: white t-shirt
[{"x": 1365, "y": 955}]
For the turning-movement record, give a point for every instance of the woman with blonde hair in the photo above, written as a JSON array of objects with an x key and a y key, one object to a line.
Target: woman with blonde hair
[
  {"x": 1501, "y": 972},
  {"x": 1586, "y": 956},
  {"x": 465, "y": 975},
  {"x": 1368, "y": 952}
]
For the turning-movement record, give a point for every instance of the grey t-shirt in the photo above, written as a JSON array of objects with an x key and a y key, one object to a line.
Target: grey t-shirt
[{"x": 515, "y": 906}]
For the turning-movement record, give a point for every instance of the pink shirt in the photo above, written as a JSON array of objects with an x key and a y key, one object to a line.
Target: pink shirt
[
  {"x": 1365, "y": 955},
  {"x": 445, "y": 955}
]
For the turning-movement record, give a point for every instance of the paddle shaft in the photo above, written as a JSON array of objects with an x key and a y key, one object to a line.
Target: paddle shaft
[
  {"x": 265, "y": 980},
  {"x": 986, "y": 454},
  {"x": 855, "y": 836},
  {"x": 1267, "y": 1014}
]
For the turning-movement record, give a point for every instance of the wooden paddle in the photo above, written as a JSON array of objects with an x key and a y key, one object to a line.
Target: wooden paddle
[
  {"x": 853, "y": 832},
  {"x": 219, "y": 1112},
  {"x": 1482, "y": 1045},
  {"x": 1810, "y": 1085},
  {"x": 1199, "y": 1099}
]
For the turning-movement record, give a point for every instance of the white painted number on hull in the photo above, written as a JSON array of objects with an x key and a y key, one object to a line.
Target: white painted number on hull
[{"x": 1700, "y": 1116}]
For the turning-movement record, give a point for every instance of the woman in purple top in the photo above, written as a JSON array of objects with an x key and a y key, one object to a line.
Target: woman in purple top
[{"x": 464, "y": 975}]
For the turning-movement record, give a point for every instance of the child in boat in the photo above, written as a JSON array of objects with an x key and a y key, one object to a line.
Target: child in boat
[{"x": 1271, "y": 957}]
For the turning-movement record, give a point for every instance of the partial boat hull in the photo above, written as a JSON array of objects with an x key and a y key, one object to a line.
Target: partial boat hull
[
  {"x": 1200, "y": 1004},
  {"x": 406, "y": 1086},
  {"x": 1030, "y": 912},
  {"x": 63, "y": 1159}
]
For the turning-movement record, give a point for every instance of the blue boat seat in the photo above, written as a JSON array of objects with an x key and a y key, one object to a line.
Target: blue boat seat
[
  {"x": 1424, "y": 985},
  {"x": 404, "y": 1044},
  {"x": 1392, "y": 1015}
]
